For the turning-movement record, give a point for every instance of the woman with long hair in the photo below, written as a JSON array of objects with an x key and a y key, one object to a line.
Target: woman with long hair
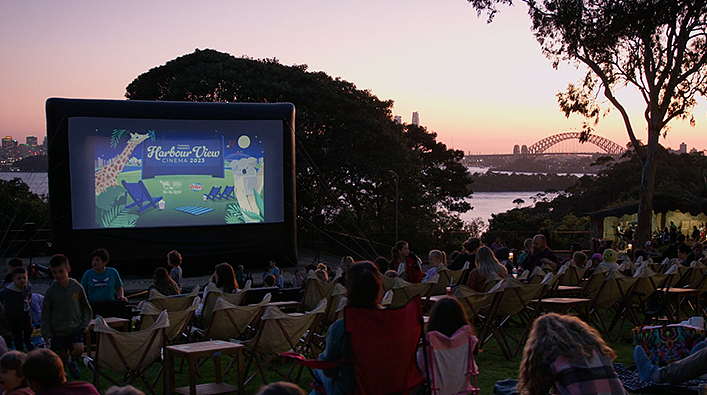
[
  {"x": 163, "y": 283},
  {"x": 225, "y": 278},
  {"x": 363, "y": 290},
  {"x": 566, "y": 353},
  {"x": 486, "y": 263},
  {"x": 451, "y": 342},
  {"x": 405, "y": 262}
]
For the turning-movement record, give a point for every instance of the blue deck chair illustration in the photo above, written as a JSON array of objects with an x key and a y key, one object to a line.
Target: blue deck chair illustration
[
  {"x": 214, "y": 194},
  {"x": 227, "y": 193},
  {"x": 141, "y": 196}
]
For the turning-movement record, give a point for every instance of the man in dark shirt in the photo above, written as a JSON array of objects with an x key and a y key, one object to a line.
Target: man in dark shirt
[
  {"x": 539, "y": 253},
  {"x": 672, "y": 251}
]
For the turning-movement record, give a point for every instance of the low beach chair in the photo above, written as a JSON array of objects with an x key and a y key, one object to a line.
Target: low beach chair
[
  {"x": 278, "y": 333},
  {"x": 228, "y": 193},
  {"x": 213, "y": 194},
  {"x": 129, "y": 353},
  {"x": 211, "y": 293},
  {"x": 172, "y": 302},
  {"x": 179, "y": 321},
  {"x": 229, "y": 321},
  {"x": 315, "y": 290},
  {"x": 404, "y": 291},
  {"x": 140, "y": 195}
]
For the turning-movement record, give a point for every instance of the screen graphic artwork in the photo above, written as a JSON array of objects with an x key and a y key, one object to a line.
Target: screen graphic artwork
[{"x": 136, "y": 173}]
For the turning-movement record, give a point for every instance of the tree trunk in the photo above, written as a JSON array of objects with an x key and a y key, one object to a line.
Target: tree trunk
[{"x": 647, "y": 189}]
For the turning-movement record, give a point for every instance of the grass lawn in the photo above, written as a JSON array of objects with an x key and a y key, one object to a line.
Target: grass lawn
[{"x": 492, "y": 366}]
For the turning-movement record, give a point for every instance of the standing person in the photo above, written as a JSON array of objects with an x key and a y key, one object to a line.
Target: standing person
[
  {"x": 564, "y": 353},
  {"x": 434, "y": 258},
  {"x": 44, "y": 372},
  {"x": 174, "y": 259},
  {"x": 12, "y": 380},
  {"x": 486, "y": 263},
  {"x": 65, "y": 314},
  {"x": 540, "y": 254},
  {"x": 102, "y": 283},
  {"x": 16, "y": 298},
  {"x": 275, "y": 271},
  {"x": 240, "y": 276},
  {"x": 695, "y": 234},
  {"x": 468, "y": 254},
  {"x": 406, "y": 263},
  {"x": 12, "y": 264}
]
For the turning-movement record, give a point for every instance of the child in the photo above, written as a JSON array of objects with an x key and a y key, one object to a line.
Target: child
[
  {"x": 322, "y": 275},
  {"x": 16, "y": 298},
  {"x": 12, "y": 264},
  {"x": 297, "y": 279},
  {"x": 566, "y": 353},
  {"x": 450, "y": 352},
  {"x": 44, "y": 372},
  {"x": 65, "y": 314},
  {"x": 12, "y": 381},
  {"x": 435, "y": 258},
  {"x": 174, "y": 259},
  {"x": 102, "y": 283}
]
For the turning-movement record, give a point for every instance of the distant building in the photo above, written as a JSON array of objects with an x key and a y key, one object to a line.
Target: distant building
[
  {"x": 31, "y": 142},
  {"x": 524, "y": 150},
  {"x": 516, "y": 150},
  {"x": 398, "y": 119},
  {"x": 416, "y": 118},
  {"x": 683, "y": 148}
]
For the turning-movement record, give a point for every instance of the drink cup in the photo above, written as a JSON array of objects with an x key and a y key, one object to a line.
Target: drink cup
[{"x": 449, "y": 291}]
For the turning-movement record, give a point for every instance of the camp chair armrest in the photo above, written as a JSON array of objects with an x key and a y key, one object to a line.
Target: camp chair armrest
[{"x": 313, "y": 363}]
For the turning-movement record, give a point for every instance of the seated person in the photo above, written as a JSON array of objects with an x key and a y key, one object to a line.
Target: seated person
[
  {"x": 269, "y": 280},
  {"x": 566, "y": 354},
  {"x": 688, "y": 368},
  {"x": 486, "y": 263},
  {"x": 104, "y": 288},
  {"x": 609, "y": 259},
  {"x": 579, "y": 258},
  {"x": 363, "y": 291},
  {"x": 163, "y": 283},
  {"x": 44, "y": 372},
  {"x": 12, "y": 380}
]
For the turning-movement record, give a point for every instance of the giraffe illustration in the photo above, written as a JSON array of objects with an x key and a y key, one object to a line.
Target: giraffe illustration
[{"x": 107, "y": 176}]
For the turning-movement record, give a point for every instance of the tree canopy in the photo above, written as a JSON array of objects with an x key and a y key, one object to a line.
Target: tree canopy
[
  {"x": 657, "y": 47},
  {"x": 346, "y": 144}
]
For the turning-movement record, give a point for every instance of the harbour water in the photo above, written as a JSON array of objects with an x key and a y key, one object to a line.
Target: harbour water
[{"x": 484, "y": 203}]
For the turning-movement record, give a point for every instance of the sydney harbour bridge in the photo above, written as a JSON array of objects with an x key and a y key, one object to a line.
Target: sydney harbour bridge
[{"x": 567, "y": 143}]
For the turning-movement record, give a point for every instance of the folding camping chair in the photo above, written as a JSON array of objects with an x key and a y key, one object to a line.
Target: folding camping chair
[
  {"x": 228, "y": 193},
  {"x": 229, "y": 321},
  {"x": 383, "y": 346},
  {"x": 591, "y": 284},
  {"x": 129, "y": 353},
  {"x": 315, "y": 290},
  {"x": 404, "y": 291},
  {"x": 140, "y": 195},
  {"x": 473, "y": 302},
  {"x": 213, "y": 194},
  {"x": 511, "y": 299},
  {"x": 172, "y": 302},
  {"x": 179, "y": 321},
  {"x": 278, "y": 333},
  {"x": 211, "y": 293},
  {"x": 613, "y": 294},
  {"x": 447, "y": 278},
  {"x": 449, "y": 363}
]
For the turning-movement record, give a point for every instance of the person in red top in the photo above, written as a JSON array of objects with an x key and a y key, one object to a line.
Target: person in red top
[
  {"x": 44, "y": 372},
  {"x": 407, "y": 264}
]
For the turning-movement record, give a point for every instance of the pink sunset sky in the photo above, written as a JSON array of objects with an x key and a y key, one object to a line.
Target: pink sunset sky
[{"x": 482, "y": 88}]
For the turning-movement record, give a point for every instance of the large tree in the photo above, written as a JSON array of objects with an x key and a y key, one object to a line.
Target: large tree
[
  {"x": 658, "y": 47},
  {"x": 346, "y": 142}
]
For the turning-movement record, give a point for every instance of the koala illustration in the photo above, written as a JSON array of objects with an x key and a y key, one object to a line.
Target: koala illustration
[{"x": 247, "y": 180}]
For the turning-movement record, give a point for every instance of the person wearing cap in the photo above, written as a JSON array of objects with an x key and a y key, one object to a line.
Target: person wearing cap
[
  {"x": 609, "y": 259},
  {"x": 652, "y": 253}
]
